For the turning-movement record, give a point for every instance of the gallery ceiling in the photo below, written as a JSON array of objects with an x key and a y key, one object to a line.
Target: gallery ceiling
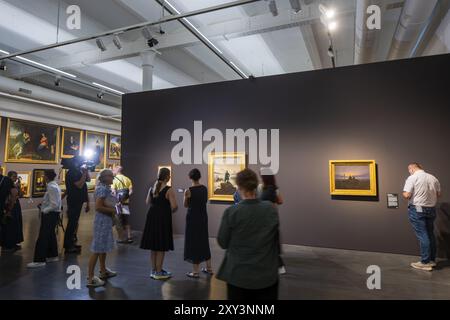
[{"x": 257, "y": 38}]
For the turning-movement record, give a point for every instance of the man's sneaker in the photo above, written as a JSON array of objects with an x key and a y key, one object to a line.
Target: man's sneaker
[
  {"x": 432, "y": 264},
  {"x": 108, "y": 274},
  {"x": 34, "y": 265},
  {"x": 160, "y": 276},
  {"x": 95, "y": 282},
  {"x": 422, "y": 266},
  {"x": 54, "y": 259},
  {"x": 282, "y": 270},
  {"x": 166, "y": 272}
]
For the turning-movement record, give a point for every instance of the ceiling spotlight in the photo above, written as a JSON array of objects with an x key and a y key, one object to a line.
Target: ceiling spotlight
[
  {"x": 296, "y": 6},
  {"x": 328, "y": 13},
  {"x": 332, "y": 25},
  {"x": 146, "y": 33},
  {"x": 330, "y": 52},
  {"x": 273, "y": 8},
  {"x": 100, "y": 44},
  {"x": 57, "y": 81},
  {"x": 100, "y": 95},
  {"x": 3, "y": 66},
  {"x": 117, "y": 42},
  {"x": 152, "y": 42}
]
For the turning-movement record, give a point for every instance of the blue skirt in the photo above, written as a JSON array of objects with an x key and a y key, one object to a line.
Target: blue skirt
[{"x": 103, "y": 240}]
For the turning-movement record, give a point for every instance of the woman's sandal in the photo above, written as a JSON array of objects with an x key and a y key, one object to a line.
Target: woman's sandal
[
  {"x": 208, "y": 271},
  {"x": 193, "y": 275}
]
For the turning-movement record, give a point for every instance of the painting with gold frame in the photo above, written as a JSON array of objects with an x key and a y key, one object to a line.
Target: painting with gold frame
[
  {"x": 31, "y": 142},
  {"x": 25, "y": 183},
  {"x": 62, "y": 179},
  {"x": 222, "y": 171},
  {"x": 170, "y": 169},
  {"x": 71, "y": 142},
  {"x": 96, "y": 142},
  {"x": 353, "y": 178},
  {"x": 114, "y": 147},
  {"x": 39, "y": 184}
]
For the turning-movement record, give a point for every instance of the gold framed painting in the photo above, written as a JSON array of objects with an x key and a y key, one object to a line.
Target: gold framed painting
[
  {"x": 96, "y": 143},
  {"x": 25, "y": 183},
  {"x": 353, "y": 178},
  {"x": 31, "y": 142},
  {"x": 71, "y": 142},
  {"x": 3, "y": 170},
  {"x": 114, "y": 147},
  {"x": 170, "y": 169},
  {"x": 222, "y": 171},
  {"x": 39, "y": 184}
]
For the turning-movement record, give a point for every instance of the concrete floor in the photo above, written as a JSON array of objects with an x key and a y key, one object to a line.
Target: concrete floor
[{"x": 313, "y": 273}]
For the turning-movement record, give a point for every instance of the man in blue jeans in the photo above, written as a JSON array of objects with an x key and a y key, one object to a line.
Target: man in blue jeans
[{"x": 422, "y": 191}]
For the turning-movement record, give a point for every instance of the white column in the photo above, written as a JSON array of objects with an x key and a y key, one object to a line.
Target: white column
[{"x": 148, "y": 58}]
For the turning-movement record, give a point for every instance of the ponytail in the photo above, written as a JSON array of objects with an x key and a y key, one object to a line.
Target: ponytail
[
  {"x": 163, "y": 175},
  {"x": 157, "y": 188}
]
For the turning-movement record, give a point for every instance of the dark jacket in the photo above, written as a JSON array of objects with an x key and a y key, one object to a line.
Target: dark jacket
[{"x": 249, "y": 233}]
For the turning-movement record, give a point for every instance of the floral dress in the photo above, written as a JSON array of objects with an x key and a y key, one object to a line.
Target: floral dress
[{"x": 103, "y": 240}]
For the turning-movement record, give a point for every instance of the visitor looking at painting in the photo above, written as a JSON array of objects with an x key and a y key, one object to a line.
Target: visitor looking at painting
[
  {"x": 122, "y": 188},
  {"x": 158, "y": 234},
  {"x": 196, "y": 244},
  {"x": 249, "y": 234},
  {"x": 12, "y": 233}
]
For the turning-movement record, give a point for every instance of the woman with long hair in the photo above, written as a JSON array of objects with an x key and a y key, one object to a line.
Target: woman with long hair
[
  {"x": 196, "y": 243},
  {"x": 158, "y": 235},
  {"x": 103, "y": 240}
]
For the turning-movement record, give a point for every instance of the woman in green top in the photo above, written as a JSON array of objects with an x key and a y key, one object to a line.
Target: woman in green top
[{"x": 249, "y": 233}]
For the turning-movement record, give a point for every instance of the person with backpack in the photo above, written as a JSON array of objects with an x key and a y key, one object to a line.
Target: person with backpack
[{"x": 123, "y": 188}]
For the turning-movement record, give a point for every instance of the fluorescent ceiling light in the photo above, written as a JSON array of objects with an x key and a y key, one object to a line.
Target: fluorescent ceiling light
[
  {"x": 41, "y": 65},
  {"x": 107, "y": 88}
]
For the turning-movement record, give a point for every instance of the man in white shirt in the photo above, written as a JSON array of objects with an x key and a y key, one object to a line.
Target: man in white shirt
[
  {"x": 422, "y": 191},
  {"x": 47, "y": 246}
]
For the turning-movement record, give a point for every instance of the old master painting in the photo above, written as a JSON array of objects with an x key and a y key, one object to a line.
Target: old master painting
[
  {"x": 72, "y": 141},
  {"x": 96, "y": 142},
  {"x": 222, "y": 171},
  {"x": 353, "y": 178},
  {"x": 30, "y": 142}
]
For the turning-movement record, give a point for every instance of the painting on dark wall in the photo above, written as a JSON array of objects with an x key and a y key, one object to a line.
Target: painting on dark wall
[
  {"x": 72, "y": 142},
  {"x": 222, "y": 171},
  {"x": 353, "y": 177},
  {"x": 39, "y": 184},
  {"x": 30, "y": 142}
]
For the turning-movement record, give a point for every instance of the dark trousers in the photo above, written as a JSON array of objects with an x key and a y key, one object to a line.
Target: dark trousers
[
  {"x": 47, "y": 245},
  {"x": 73, "y": 215},
  {"x": 236, "y": 293}
]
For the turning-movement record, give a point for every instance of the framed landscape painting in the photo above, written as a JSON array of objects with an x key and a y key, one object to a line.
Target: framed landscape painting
[
  {"x": 222, "y": 171},
  {"x": 96, "y": 142},
  {"x": 115, "y": 147},
  {"x": 353, "y": 177},
  {"x": 72, "y": 143},
  {"x": 25, "y": 183},
  {"x": 31, "y": 142},
  {"x": 39, "y": 184}
]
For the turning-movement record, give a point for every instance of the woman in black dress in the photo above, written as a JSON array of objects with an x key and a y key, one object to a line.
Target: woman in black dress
[
  {"x": 196, "y": 243},
  {"x": 12, "y": 234},
  {"x": 157, "y": 235}
]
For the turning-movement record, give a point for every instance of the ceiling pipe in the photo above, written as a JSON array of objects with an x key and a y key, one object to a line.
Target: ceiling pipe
[
  {"x": 414, "y": 18},
  {"x": 366, "y": 40},
  {"x": 440, "y": 42},
  {"x": 20, "y": 88}
]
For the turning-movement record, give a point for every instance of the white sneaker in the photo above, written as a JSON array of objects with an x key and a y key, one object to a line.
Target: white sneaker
[
  {"x": 108, "y": 274},
  {"x": 422, "y": 266},
  {"x": 95, "y": 282},
  {"x": 54, "y": 259},
  {"x": 34, "y": 265},
  {"x": 282, "y": 270}
]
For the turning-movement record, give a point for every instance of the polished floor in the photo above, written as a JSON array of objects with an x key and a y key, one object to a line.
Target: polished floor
[{"x": 313, "y": 273}]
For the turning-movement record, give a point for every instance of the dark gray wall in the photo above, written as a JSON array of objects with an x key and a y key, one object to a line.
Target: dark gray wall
[{"x": 393, "y": 112}]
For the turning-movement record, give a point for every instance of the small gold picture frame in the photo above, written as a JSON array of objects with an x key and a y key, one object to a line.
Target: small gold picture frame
[{"x": 353, "y": 178}]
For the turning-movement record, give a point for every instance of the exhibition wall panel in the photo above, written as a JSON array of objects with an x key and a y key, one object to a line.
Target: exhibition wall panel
[{"x": 391, "y": 112}]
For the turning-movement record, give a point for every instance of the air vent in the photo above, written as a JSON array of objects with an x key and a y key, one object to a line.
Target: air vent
[{"x": 26, "y": 91}]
